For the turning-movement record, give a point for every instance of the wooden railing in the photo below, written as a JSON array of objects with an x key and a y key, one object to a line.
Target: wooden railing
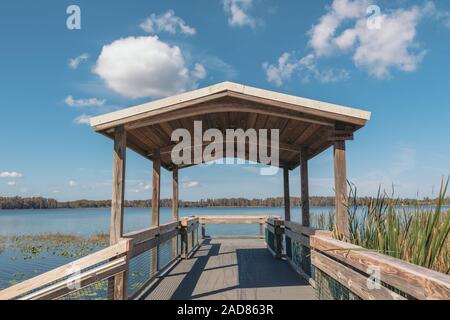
[
  {"x": 233, "y": 220},
  {"x": 355, "y": 268},
  {"x": 340, "y": 270},
  {"x": 139, "y": 249},
  {"x": 72, "y": 276}
]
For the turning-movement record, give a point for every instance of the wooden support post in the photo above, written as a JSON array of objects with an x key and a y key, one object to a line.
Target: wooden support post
[
  {"x": 175, "y": 214},
  {"x": 287, "y": 196},
  {"x": 304, "y": 187},
  {"x": 118, "y": 285},
  {"x": 340, "y": 185},
  {"x": 156, "y": 187},
  {"x": 156, "y": 204},
  {"x": 278, "y": 241},
  {"x": 184, "y": 238},
  {"x": 175, "y": 210},
  {"x": 203, "y": 231}
]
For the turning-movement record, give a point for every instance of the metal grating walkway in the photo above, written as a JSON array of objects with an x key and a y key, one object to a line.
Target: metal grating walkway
[{"x": 232, "y": 269}]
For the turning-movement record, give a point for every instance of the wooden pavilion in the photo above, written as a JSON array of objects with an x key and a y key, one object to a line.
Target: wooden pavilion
[{"x": 306, "y": 128}]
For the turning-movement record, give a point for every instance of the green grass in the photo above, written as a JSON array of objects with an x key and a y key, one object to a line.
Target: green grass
[{"x": 419, "y": 235}]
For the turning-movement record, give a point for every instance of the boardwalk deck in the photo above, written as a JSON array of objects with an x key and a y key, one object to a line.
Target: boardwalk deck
[{"x": 227, "y": 269}]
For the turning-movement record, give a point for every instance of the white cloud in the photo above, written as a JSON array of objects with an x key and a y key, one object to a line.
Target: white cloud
[
  {"x": 283, "y": 71},
  {"x": 144, "y": 186},
  {"x": 323, "y": 33},
  {"x": 441, "y": 16},
  {"x": 13, "y": 174},
  {"x": 199, "y": 71},
  {"x": 167, "y": 22},
  {"x": 140, "y": 67},
  {"x": 216, "y": 64},
  {"x": 238, "y": 13},
  {"x": 191, "y": 184},
  {"x": 11, "y": 183},
  {"x": 75, "y": 62},
  {"x": 91, "y": 102},
  {"x": 83, "y": 119},
  {"x": 393, "y": 46},
  {"x": 305, "y": 67}
]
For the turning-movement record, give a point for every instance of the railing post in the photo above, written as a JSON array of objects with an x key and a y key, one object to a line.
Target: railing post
[
  {"x": 117, "y": 284},
  {"x": 184, "y": 238},
  {"x": 203, "y": 231},
  {"x": 278, "y": 241},
  {"x": 121, "y": 290}
]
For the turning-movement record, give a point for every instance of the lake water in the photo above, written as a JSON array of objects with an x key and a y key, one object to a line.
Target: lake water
[{"x": 92, "y": 221}]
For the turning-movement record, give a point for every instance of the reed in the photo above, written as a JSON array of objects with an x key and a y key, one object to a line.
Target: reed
[{"x": 418, "y": 235}]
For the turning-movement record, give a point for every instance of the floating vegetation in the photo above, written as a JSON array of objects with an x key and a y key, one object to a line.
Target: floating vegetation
[{"x": 57, "y": 244}]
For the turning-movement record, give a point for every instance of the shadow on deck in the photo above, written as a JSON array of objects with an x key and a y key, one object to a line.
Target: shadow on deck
[{"x": 231, "y": 269}]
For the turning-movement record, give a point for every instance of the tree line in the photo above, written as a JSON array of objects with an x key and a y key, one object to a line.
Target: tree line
[{"x": 315, "y": 201}]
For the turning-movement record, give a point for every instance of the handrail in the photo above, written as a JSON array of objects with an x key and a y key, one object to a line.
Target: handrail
[
  {"x": 414, "y": 280},
  {"x": 352, "y": 267},
  {"x": 233, "y": 220},
  {"x": 40, "y": 281}
]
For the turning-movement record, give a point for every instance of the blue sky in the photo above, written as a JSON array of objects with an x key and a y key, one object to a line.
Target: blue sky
[{"x": 52, "y": 79}]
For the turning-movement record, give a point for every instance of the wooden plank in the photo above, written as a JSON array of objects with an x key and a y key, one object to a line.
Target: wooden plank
[
  {"x": 298, "y": 228},
  {"x": 419, "y": 282},
  {"x": 275, "y": 221},
  {"x": 152, "y": 232},
  {"x": 354, "y": 281},
  {"x": 118, "y": 188},
  {"x": 53, "y": 275},
  {"x": 85, "y": 279},
  {"x": 250, "y": 216},
  {"x": 270, "y": 228},
  {"x": 142, "y": 235},
  {"x": 287, "y": 196},
  {"x": 152, "y": 243},
  {"x": 340, "y": 187},
  {"x": 230, "y": 221},
  {"x": 189, "y": 221},
  {"x": 304, "y": 240},
  {"x": 304, "y": 188},
  {"x": 298, "y": 104},
  {"x": 164, "y": 228}
]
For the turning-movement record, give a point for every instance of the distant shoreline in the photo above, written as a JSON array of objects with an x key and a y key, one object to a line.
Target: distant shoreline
[{"x": 19, "y": 203}]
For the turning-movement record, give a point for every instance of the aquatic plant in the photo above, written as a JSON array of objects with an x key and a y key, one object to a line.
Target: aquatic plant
[
  {"x": 63, "y": 245},
  {"x": 419, "y": 235}
]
